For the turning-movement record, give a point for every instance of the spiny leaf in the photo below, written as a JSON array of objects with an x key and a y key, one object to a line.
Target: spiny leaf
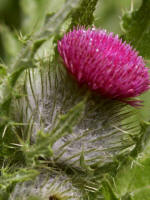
[
  {"x": 41, "y": 148},
  {"x": 7, "y": 179},
  {"x": 136, "y": 28}
]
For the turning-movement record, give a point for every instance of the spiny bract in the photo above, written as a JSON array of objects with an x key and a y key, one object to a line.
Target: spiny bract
[{"x": 104, "y": 63}]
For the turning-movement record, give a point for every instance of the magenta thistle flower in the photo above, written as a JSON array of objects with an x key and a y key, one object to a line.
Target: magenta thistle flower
[{"x": 104, "y": 63}]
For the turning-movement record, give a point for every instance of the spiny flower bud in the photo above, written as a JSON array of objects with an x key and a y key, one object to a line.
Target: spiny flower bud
[{"x": 105, "y": 64}]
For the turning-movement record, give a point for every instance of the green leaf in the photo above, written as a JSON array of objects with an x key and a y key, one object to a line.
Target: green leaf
[
  {"x": 41, "y": 148},
  {"x": 136, "y": 28}
]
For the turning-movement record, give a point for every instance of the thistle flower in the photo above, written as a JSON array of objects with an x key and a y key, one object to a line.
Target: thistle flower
[{"x": 105, "y": 64}]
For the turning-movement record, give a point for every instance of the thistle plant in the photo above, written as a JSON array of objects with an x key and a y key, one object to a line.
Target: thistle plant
[{"x": 70, "y": 126}]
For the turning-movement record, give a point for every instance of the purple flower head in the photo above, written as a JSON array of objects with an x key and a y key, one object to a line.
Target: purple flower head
[{"x": 104, "y": 63}]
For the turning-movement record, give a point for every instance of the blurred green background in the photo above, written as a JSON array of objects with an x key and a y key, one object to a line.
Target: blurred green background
[
  {"x": 26, "y": 16},
  {"x": 19, "y": 18},
  {"x": 109, "y": 12}
]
